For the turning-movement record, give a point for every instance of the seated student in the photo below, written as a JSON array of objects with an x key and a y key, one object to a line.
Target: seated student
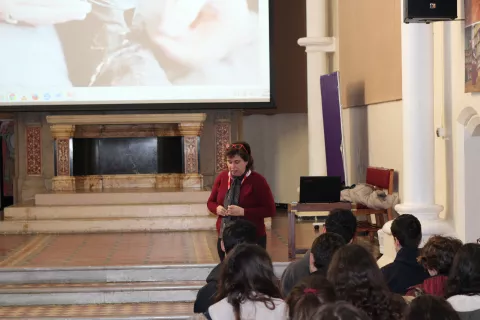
[
  {"x": 339, "y": 221},
  {"x": 357, "y": 279},
  {"x": 463, "y": 284},
  {"x": 436, "y": 256},
  {"x": 322, "y": 251},
  {"x": 248, "y": 287},
  {"x": 309, "y": 295},
  {"x": 430, "y": 307},
  {"x": 405, "y": 271},
  {"x": 239, "y": 231}
]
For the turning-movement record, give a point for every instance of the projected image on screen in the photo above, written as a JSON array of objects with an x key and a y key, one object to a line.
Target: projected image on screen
[{"x": 134, "y": 51}]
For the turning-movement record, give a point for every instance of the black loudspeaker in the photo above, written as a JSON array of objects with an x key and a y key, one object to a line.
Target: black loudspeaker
[{"x": 426, "y": 11}]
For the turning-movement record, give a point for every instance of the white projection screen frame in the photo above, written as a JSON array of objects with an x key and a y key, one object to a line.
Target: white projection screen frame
[{"x": 145, "y": 54}]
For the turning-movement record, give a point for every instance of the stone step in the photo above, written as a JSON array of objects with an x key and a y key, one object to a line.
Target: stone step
[
  {"x": 98, "y": 293},
  {"x": 29, "y": 211},
  {"x": 134, "y": 311},
  {"x": 123, "y": 196},
  {"x": 107, "y": 274},
  {"x": 102, "y": 225}
]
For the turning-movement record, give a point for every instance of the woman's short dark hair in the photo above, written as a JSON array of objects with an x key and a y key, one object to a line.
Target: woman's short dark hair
[
  {"x": 241, "y": 149},
  {"x": 357, "y": 279},
  {"x": 438, "y": 253},
  {"x": 429, "y": 307},
  {"x": 340, "y": 310},
  {"x": 247, "y": 274},
  {"x": 464, "y": 277},
  {"x": 307, "y": 296}
]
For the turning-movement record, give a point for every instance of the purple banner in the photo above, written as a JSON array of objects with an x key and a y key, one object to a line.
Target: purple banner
[{"x": 332, "y": 125}]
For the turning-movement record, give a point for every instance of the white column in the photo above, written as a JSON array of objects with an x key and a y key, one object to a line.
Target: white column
[
  {"x": 316, "y": 45},
  {"x": 418, "y": 136}
]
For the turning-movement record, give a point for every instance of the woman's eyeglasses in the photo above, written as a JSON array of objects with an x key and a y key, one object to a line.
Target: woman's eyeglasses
[{"x": 237, "y": 146}]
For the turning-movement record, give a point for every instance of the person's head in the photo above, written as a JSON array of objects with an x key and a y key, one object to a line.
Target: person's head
[
  {"x": 237, "y": 232},
  {"x": 437, "y": 254},
  {"x": 429, "y": 307},
  {"x": 406, "y": 231},
  {"x": 247, "y": 274},
  {"x": 309, "y": 295},
  {"x": 357, "y": 279},
  {"x": 239, "y": 158},
  {"x": 340, "y": 310},
  {"x": 342, "y": 222},
  {"x": 323, "y": 248},
  {"x": 464, "y": 277}
]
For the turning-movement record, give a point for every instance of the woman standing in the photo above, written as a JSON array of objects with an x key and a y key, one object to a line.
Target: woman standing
[{"x": 241, "y": 193}]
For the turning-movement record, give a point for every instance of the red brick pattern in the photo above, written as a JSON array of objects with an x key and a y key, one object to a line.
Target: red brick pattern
[
  {"x": 34, "y": 150},
  {"x": 222, "y": 139},
  {"x": 63, "y": 157},
  {"x": 191, "y": 154}
]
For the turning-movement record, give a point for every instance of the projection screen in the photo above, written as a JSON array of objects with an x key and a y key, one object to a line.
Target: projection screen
[{"x": 82, "y": 52}]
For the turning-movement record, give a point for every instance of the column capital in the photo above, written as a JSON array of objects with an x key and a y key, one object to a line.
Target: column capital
[
  {"x": 223, "y": 116},
  {"x": 62, "y": 131},
  {"x": 318, "y": 44},
  {"x": 190, "y": 128}
]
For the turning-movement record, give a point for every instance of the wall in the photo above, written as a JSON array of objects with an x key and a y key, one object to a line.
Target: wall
[{"x": 280, "y": 149}]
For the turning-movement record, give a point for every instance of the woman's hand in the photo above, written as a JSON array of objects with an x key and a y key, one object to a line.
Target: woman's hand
[
  {"x": 43, "y": 12},
  {"x": 235, "y": 211},
  {"x": 221, "y": 211}
]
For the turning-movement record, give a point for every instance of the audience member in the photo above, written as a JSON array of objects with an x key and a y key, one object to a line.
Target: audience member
[
  {"x": 463, "y": 285},
  {"x": 339, "y": 221},
  {"x": 428, "y": 307},
  {"x": 357, "y": 279},
  {"x": 436, "y": 256},
  {"x": 339, "y": 310},
  {"x": 237, "y": 232},
  {"x": 323, "y": 248},
  {"x": 307, "y": 296},
  {"x": 248, "y": 287},
  {"x": 405, "y": 271}
]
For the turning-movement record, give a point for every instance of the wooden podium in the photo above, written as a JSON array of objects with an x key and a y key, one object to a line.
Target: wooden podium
[{"x": 308, "y": 210}]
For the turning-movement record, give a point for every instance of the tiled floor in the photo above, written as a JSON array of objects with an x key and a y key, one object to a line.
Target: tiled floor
[{"x": 71, "y": 250}]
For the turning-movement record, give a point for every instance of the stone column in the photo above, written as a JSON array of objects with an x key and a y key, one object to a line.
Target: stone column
[
  {"x": 418, "y": 137},
  {"x": 316, "y": 45},
  {"x": 191, "y": 132},
  {"x": 63, "y": 180}
]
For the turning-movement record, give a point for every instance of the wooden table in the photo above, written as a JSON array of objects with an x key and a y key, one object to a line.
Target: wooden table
[{"x": 308, "y": 209}]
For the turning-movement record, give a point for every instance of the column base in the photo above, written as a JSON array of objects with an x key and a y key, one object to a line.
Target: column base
[
  {"x": 63, "y": 183},
  {"x": 431, "y": 225}
]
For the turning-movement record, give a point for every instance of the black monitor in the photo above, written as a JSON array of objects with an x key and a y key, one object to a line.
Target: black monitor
[{"x": 320, "y": 189}]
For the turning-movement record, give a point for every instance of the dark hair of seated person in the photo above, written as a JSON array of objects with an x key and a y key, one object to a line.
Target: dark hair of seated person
[
  {"x": 358, "y": 280},
  {"x": 307, "y": 296},
  {"x": 339, "y": 310},
  {"x": 323, "y": 248},
  {"x": 342, "y": 222},
  {"x": 430, "y": 307},
  {"x": 438, "y": 254},
  {"x": 464, "y": 277},
  {"x": 247, "y": 275},
  {"x": 406, "y": 228},
  {"x": 238, "y": 231}
]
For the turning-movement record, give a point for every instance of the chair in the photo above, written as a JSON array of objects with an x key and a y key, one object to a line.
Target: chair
[{"x": 380, "y": 178}]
